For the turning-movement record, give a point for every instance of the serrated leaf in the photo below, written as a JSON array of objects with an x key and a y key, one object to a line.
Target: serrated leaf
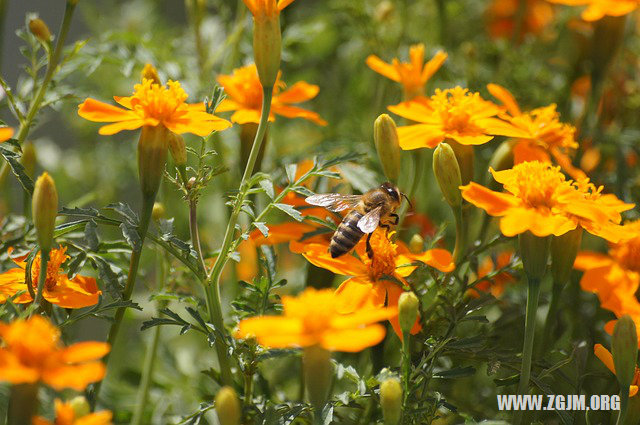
[
  {"x": 109, "y": 277},
  {"x": 291, "y": 211},
  {"x": 13, "y": 159},
  {"x": 262, "y": 228},
  {"x": 91, "y": 235},
  {"x": 291, "y": 170},
  {"x": 125, "y": 211},
  {"x": 131, "y": 235},
  {"x": 267, "y": 186},
  {"x": 76, "y": 264}
]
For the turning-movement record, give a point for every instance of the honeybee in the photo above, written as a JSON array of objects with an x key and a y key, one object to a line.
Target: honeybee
[{"x": 374, "y": 208}]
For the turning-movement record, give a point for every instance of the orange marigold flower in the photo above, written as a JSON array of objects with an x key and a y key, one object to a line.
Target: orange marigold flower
[
  {"x": 615, "y": 277},
  {"x": 266, "y": 8},
  {"x": 78, "y": 292},
  {"x": 497, "y": 283},
  {"x": 598, "y": 9},
  {"x": 5, "y": 133},
  {"x": 244, "y": 93},
  {"x": 607, "y": 359},
  {"x": 451, "y": 114},
  {"x": 540, "y": 199},
  {"x": 66, "y": 415},
  {"x": 32, "y": 352},
  {"x": 546, "y": 135},
  {"x": 502, "y": 15},
  {"x": 151, "y": 105},
  {"x": 413, "y": 75},
  {"x": 312, "y": 318},
  {"x": 370, "y": 283}
]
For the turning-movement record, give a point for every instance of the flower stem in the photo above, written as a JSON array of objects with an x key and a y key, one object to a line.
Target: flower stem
[
  {"x": 147, "y": 208},
  {"x": 42, "y": 277},
  {"x": 212, "y": 286},
  {"x": 550, "y": 321},
  {"x": 23, "y": 404},
  {"x": 533, "y": 293},
  {"x": 193, "y": 229},
  {"x": 461, "y": 235},
  {"x": 145, "y": 383},
  {"x": 406, "y": 367}
]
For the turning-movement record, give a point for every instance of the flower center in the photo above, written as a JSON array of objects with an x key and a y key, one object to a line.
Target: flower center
[
  {"x": 56, "y": 258},
  {"x": 545, "y": 124},
  {"x": 152, "y": 100},
  {"x": 455, "y": 107},
  {"x": 384, "y": 256},
  {"x": 537, "y": 183}
]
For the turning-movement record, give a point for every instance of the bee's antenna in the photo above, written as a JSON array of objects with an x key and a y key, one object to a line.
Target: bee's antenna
[{"x": 407, "y": 198}]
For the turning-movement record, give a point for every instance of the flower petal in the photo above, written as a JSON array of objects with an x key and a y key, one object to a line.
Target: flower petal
[
  {"x": 76, "y": 377},
  {"x": 94, "y": 110},
  {"x": 419, "y": 136},
  {"x": 297, "y": 93},
  {"x": 494, "y": 203},
  {"x": 84, "y": 351},
  {"x": 383, "y": 68},
  {"x": 437, "y": 258},
  {"x": 296, "y": 112},
  {"x": 353, "y": 340}
]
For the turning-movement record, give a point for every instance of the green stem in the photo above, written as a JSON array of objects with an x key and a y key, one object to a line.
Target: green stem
[
  {"x": 442, "y": 20},
  {"x": 145, "y": 383},
  {"x": 533, "y": 293},
  {"x": 549, "y": 323},
  {"x": 23, "y": 404},
  {"x": 42, "y": 277},
  {"x": 147, "y": 208},
  {"x": 624, "y": 405},
  {"x": 212, "y": 286},
  {"x": 461, "y": 235},
  {"x": 406, "y": 366},
  {"x": 193, "y": 229}
]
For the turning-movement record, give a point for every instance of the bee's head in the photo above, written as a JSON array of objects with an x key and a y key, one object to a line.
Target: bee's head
[{"x": 393, "y": 192}]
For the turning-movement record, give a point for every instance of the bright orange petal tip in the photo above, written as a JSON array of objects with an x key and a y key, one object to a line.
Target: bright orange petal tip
[
  {"x": 598, "y": 9},
  {"x": 33, "y": 352},
  {"x": 5, "y": 133},
  {"x": 312, "y": 318},
  {"x": 151, "y": 105}
]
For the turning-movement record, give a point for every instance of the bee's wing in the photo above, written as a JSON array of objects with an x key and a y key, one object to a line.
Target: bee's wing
[
  {"x": 370, "y": 221},
  {"x": 334, "y": 201}
]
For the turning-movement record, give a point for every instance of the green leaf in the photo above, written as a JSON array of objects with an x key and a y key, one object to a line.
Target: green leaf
[
  {"x": 130, "y": 233},
  {"x": 267, "y": 186},
  {"x": 294, "y": 213},
  {"x": 13, "y": 159},
  {"x": 458, "y": 372},
  {"x": 262, "y": 227},
  {"x": 91, "y": 235},
  {"x": 291, "y": 170},
  {"x": 125, "y": 211}
]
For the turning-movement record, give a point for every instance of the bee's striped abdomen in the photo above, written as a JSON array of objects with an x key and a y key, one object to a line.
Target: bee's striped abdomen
[{"x": 347, "y": 235}]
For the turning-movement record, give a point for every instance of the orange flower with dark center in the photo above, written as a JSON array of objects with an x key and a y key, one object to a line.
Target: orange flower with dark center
[
  {"x": 615, "y": 277},
  {"x": 81, "y": 291},
  {"x": 151, "y": 105},
  {"x": 413, "y": 75},
  {"x": 502, "y": 15},
  {"x": 607, "y": 359},
  {"x": 312, "y": 318},
  {"x": 266, "y": 8},
  {"x": 598, "y": 9},
  {"x": 5, "y": 133},
  {"x": 32, "y": 352},
  {"x": 496, "y": 284},
  {"x": 546, "y": 136},
  {"x": 541, "y": 200},
  {"x": 373, "y": 282},
  {"x": 244, "y": 93},
  {"x": 65, "y": 415},
  {"x": 455, "y": 114}
]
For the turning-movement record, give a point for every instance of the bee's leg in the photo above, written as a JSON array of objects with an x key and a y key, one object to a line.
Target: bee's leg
[
  {"x": 387, "y": 229},
  {"x": 396, "y": 217},
  {"x": 369, "y": 249}
]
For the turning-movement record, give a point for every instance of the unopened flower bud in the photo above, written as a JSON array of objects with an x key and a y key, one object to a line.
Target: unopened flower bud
[
  {"x": 391, "y": 401},
  {"x": 624, "y": 348},
  {"x": 318, "y": 372},
  {"x": 383, "y": 11},
  {"x": 158, "y": 211},
  {"x": 407, "y": 310},
  {"x": 149, "y": 72},
  {"x": 466, "y": 158},
  {"x": 416, "y": 244},
  {"x": 564, "y": 250},
  {"x": 385, "y": 136},
  {"x": 29, "y": 159},
  {"x": 40, "y": 30},
  {"x": 534, "y": 252},
  {"x": 80, "y": 406},
  {"x": 228, "y": 407},
  {"x": 44, "y": 206},
  {"x": 152, "y": 156},
  {"x": 447, "y": 172},
  {"x": 267, "y": 46},
  {"x": 178, "y": 149}
]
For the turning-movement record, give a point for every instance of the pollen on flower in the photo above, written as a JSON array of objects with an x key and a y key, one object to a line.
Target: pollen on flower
[
  {"x": 454, "y": 106},
  {"x": 56, "y": 258},
  {"x": 385, "y": 254},
  {"x": 155, "y": 101},
  {"x": 536, "y": 183}
]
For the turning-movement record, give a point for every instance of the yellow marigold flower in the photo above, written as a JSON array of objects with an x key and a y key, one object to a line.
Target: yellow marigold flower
[
  {"x": 260, "y": 8},
  {"x": 598, "y": 9},
  {"x": 79, "y": 292},
  {"x": 540, "y": 199},
  {"x": 455, "y": 114},
  {"x": 244, "y": 93},
  {"x": 546, "y": 136},
  {"x": 369, "y": 284},
  {"x": 502, "y": 17},
  {"x": 614, "y": 277},
  {"x": 312, "y": 318},
  {"x": 413, "y": 75},
  {"x": 607, "y": 359},
  {"x": 32, "y": 352},
  {"x": 152, "y": 105},
  {"x": 5, "y": 133},
  {"x": 67, "y": 415}
]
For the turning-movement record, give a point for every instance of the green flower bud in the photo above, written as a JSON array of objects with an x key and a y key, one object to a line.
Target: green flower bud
[
  {"x": 564, "y": 250},
  {"x": 447, "y": 172},
  {"x": 466, "y": 158},
  {"x": 624, "y": 348},
  {"x": 391, "y": 401},
  {"x": 267, "y": 46},
  {"x": 40, "y": 30},
  {"x": 178, "y": 149},
  {"x": 318, "y": 372},
  {"x": 29, "y": 159},
  {"x": 407, "y": 310},
  {"x": 44, "y": 207},
  {"x": 152, "y": 156},
  {"x": 534, "y": 252},
  {"x": 158, "y": 211},
  {"x": 385, "y": 136},
  {"x": 80, "y": 406},
  {"x": 416, "y": 244},
  {"x": 228, "y": 407}
]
